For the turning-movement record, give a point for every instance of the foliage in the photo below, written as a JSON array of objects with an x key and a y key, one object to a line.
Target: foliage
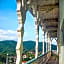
[
  {"x": 2, "y": 58},
  {"x": 31, "y": 56},
  {"x": 9, "y": 46}
]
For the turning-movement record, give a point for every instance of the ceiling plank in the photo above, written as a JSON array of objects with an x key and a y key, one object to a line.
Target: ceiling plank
[{"x": 47, "y": 7}]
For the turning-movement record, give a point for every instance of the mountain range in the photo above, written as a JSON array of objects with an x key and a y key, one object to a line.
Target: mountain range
[{"x": 8, "y": 46}]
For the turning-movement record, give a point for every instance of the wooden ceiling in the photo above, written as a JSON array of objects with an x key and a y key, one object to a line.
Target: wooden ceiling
[{"x": 49, "y": 14}]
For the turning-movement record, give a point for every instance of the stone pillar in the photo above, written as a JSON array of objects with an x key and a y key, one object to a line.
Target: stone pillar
[
  {"x": 37, "y": 37},
  {"x": 46, "y": 43},
  {"x": 19, "y": 47},
  {"x": 57, "y": 44},
  {"x": 57, "y": 48},
  {"x": 61, "y": 30},
  {"x": 43, "y": 37},
  {"x": 21, "y": 12},
  {"x": 50, "y": 44}
]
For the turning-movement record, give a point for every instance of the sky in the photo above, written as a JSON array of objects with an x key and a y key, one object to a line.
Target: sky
[{"x": 9, "y": 22}]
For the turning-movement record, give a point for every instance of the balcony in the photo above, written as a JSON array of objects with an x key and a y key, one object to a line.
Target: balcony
[{"x": 47, "y": 58}]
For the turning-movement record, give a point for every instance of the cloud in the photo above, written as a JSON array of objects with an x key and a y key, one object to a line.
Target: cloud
[
  {"x": 8, "y": 35},
  {"x": 11, "y": 35}
]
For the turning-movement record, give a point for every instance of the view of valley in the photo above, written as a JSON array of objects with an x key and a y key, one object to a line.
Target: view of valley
[
  {"x": 31, "y": 31},
  {"x": 9, "y": 47}
]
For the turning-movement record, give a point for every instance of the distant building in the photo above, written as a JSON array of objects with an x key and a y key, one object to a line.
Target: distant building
[
  {"x": 15, "y": 59},
  {"x": 32, "y": 52},
  {"x": 24, "y": 56},
  {"x": 24, "y": 62}
]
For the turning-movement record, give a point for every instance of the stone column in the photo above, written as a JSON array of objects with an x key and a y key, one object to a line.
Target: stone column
[
  {"x": 50, "y": 43},
  {"x": 43, "y": 37},
  {"x": 46, "y": 43},
  {"x": 37, "y": 37},
  {"x": 49, "y": 38},
  {"x": 61, "y": 48},
  {"x": 57, "y": 48},
  {"x": 57, "y": 44},
  {"x": 61, "y": 30},
  {"x": 21, "y": 17}
]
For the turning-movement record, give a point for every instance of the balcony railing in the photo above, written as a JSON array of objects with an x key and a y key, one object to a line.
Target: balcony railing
[{"x": 40, "y": 59}]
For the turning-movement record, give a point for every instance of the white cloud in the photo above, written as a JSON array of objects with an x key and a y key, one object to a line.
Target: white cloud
[
  {"x": 11, "y": 35},
  {"x": 8, "y": 35},
  {"x": 12, "y": 32}
]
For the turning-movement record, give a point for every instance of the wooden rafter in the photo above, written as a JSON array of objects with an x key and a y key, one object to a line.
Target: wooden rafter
[{"x": 47, "y": 7}]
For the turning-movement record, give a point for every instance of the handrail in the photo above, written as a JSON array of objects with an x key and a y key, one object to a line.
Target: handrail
[{"x": 30, "y": 61}]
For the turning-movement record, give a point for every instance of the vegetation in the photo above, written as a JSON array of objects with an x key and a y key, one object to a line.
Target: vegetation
[
  {"x": 9, "y": 46},
  {"x": 2, "y": 58}
]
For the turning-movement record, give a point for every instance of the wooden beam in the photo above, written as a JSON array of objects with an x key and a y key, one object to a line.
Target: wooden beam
[
  {"x": 51, "y": 26},
  {"x": 47, "y": 7},
  {"x": 47, "y": 2},
  {"x": 51, "y": 19},
  {"x": 51, "y": 22},
  {"x": 52, "y": 31},
  {"x": 49, "y": 29},
  {"x": 53, "y": 34}
]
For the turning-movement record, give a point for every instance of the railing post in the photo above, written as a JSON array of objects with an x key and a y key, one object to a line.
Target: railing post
[{"x": 7, "y": 59}]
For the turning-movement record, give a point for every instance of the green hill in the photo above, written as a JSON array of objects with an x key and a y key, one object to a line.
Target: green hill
[{"x": 8, "y": 46}]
